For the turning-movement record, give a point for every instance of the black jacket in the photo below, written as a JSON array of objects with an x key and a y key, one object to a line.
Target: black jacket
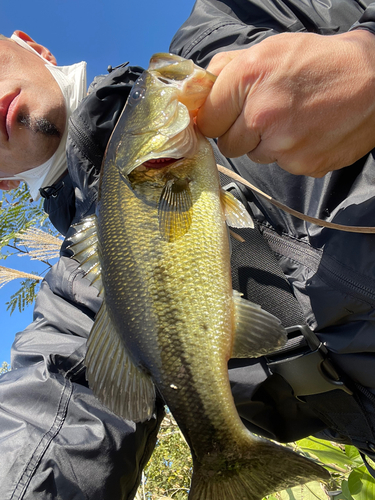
[
  {"x": 57, "y": 440},
  {"x": 332, "y": 273}
]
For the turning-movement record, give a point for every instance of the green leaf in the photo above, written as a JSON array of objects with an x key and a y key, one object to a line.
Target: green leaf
[
  {"x": 339, "y": 496},
  {"x": 346, "y": 491},
  {"x": 17, "y": 214},
  {"x": 325, "y": 451},
  {"x": 309, "y": 491},
  {"x": 24, "y": 296},
  {"x": 361, "y": 484},
  {"x": 353, "y": 454}
]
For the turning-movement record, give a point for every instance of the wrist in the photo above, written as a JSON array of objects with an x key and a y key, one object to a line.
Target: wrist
[
  {"x": 361, "y": 57},
  {"x": 362, "y": 48}
]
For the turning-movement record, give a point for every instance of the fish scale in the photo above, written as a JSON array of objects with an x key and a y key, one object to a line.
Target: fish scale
[
  {"x": 206, "y": 325},
  {"x": 160, "y": 266}
]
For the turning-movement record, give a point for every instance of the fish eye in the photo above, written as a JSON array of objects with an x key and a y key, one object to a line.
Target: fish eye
[{"x": 137, "y": 93}]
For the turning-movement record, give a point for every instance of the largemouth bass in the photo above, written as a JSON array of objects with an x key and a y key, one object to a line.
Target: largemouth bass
[{"x": 158, "y": 251}]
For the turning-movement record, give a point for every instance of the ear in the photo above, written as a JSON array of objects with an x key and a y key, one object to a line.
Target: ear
[
  {"x": 7, "y": 185},
  {"x": 43, "y": 51}
]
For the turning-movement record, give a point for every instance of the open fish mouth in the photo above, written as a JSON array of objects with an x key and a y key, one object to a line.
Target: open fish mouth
[{"x": 159, "y": 163}]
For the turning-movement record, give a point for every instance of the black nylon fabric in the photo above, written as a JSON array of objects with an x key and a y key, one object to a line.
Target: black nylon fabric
[
  {"x": 256, "y": 273},
  {"x": 57, "y": 440},
  {"x": 216, "y": 26},
  {"x": 332, "y": 273},
  {"x": 267, "y": 405}
]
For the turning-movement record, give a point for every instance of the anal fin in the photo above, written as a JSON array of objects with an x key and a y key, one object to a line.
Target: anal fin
[
  {"x": 257, "y": 332},
  {"x": 113, "y": 377}
]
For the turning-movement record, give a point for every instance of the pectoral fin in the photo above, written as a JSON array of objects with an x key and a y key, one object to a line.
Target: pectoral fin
[
  {"x": 235, "y": 213},
  {"x": 123, "y": 387},
  {"x": 257, "y": 332},
  {"x": 175, "y": 209}
]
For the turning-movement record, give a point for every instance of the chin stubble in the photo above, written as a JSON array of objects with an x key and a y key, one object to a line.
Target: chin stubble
[{"x": 39, "y": 125}]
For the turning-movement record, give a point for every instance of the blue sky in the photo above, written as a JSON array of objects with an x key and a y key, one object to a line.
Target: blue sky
[{"x": 101, "y": 33}]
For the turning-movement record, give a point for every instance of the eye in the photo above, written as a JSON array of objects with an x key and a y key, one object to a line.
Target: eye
[{"x": 137, "y": 93}]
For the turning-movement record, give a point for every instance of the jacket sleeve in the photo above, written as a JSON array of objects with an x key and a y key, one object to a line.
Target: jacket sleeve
[
  {"x": 57, "y": 440},
  {"x": 216, "y": 26},
  {"x": 367, "y": 20}
]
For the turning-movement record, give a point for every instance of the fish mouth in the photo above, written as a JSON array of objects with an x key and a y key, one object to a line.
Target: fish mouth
[{"x": 159, "y": 163}]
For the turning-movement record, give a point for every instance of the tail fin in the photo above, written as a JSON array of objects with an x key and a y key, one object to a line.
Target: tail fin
[{"x": 266, "y": 468}]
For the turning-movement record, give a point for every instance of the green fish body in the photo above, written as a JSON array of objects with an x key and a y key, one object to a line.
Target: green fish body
[{"x": 158, "y": 250}]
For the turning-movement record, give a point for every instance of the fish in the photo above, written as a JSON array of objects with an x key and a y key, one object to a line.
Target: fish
[{"x": 158, "y": 251}]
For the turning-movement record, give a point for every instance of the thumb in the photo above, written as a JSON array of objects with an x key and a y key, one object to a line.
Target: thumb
[
  {"x": 226, "y": 112},
  {"x": 222, "y": 106}
]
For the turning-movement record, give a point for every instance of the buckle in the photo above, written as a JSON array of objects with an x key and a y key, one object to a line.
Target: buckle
[
  {"x": 303, "y": 362},
  {"x": 49, "y": 191}
]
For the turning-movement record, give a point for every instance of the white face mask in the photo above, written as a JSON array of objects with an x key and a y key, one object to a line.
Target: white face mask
[
  {"x": 31, "y": 176},
  {"x": 72, "y": 82}
]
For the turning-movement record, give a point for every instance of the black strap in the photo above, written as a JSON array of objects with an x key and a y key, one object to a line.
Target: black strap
[
  {"x": 51, "y": 191},
  {"x": 304, "y": 362},
  {"x": 256, "y": 272}
]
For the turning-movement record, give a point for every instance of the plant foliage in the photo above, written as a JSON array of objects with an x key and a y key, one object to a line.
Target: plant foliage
[
  {"x": 168, "y": 473},
  {"x": 25, "y": 231},
  {"x": 169, "y": 470},
  {"x": 16, "y": 215},
  {"x": 24, "y": 296},
  {"x": 4, "y": 367}
]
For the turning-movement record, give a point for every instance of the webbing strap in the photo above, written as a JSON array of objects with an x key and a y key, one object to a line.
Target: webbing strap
[{"x": 256, "y": 272}]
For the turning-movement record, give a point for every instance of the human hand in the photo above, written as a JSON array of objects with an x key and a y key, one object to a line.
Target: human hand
[{"x": 303, "y": 100}]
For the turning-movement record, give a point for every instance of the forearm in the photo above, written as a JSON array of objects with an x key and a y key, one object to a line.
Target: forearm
[{"x": 302, "y": 100}]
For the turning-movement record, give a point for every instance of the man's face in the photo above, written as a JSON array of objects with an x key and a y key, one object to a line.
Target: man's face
[{"x": 32, "y": 110}]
